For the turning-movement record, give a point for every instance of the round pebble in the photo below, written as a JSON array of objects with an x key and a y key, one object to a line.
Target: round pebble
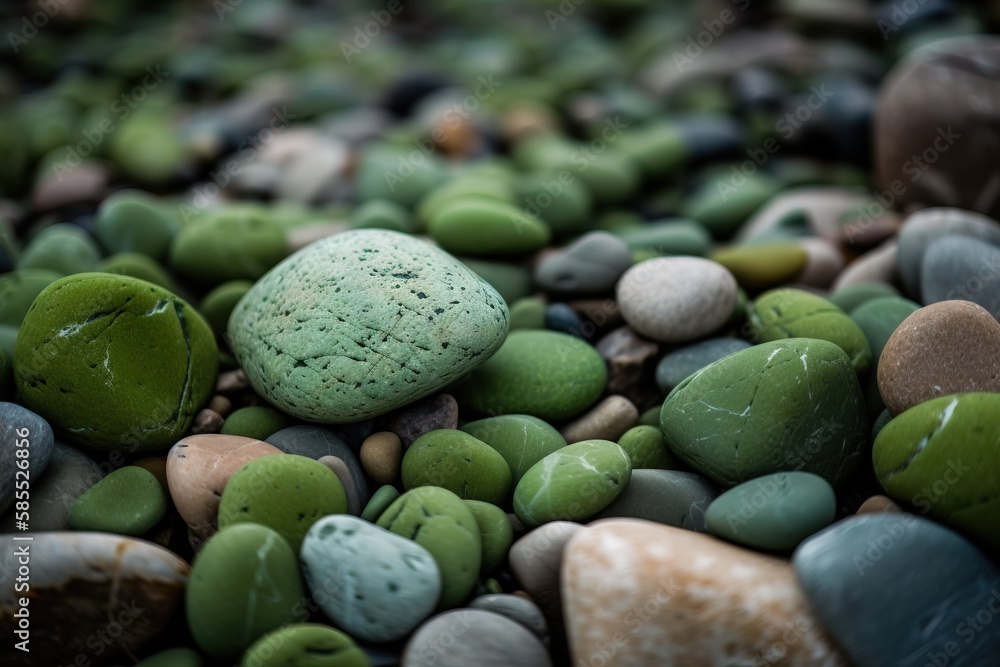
[
  {"x": 129, "y": 501},
  {"x": 381, "y": 456}
]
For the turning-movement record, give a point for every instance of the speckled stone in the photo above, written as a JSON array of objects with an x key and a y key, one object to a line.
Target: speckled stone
[
  {"x": 358, "y": 324},
  {"x": 474, "y": 637},
  {"x": 659, "y": 595},
  {"x": 670, "y": 497},
  {"x": 944, "y": 348},
  {"x": 676, "y": 299}
]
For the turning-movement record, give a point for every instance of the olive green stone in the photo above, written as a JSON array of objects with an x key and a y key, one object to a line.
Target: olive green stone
[
  {"x": 6, "y": 375},
  {"x": 773, "y": 512},
  {"x": 851, "y": 297},
  {"x": 479, "y": 226},
  {"x": 793, "y": 404},
  {"x": 527, "y": 313},
  {"x": 244, "y": 583},
  {"x": 573, "y": 483},
  {"x": 612, "y": 176},
  {"x": 138, "y": 266},
  {"x": 380, "y": 500},
  {"x": 382, "y": 214},
  {"x": 63, "y": 248},
  {"x": 18, "y": 290},
  {"x": 497, "y": 533},
  {"x": 132, "y": 221},
  {"x": 442, "y": 523},
  {"x": 647, "y": 448},
  {"x": 145, "y": 147},
  {"x": 231, "y": 244},
  {"x": 115, "y": 363},
  {"x": 545, "y": 374},
  {"x": 218, "y": 305},
  {"x": 941, "y": 457},
  {"x": 659, "y": 148},
  {"x": 522, "y": 440},
  {"x": 255, "y": 422},
  {"x": 722, "y": 208},
  {"x": 794, "y": 313},
  {"x": 305, "y": 645},
  {"x": 466, "y": 187},
  {"x": 129, "y": 501},
  {"x": 512, "y": 282},
  {"x": 358, "y": 324},
  {"x": 456, "y": 461},
  {"x": 765, "y": 265},
  {"x": 650, "y": 417},
  {"x": 564, "y": 203},
  {"x": 677, "y": 237},
  {"x": 175, "y": 657},
  {"x": 287, "y": 493}
]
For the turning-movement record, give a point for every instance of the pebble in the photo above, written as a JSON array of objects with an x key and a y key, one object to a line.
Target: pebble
[
  {"x": 959, "y": 267},
  {"x": 68, "y": 475},
  {"x": 647, "y": 448},
  {"x": 670, "y": 497},
  {"x": 22, "y": 432},
  {"x": 244, "y": 583},
  {"x": 304, "y": 644},
  {"x": 198, "y": 469},
  {"x": 496, "y": 531},
  {"x": 608, "y": 420},
  {"x": 590, "y": 265},
  {"x": 666, "y": 596},
  {"x": 207, "y": 421},
  {"x": 315, "y": 442},
  {"x": 480, "y": 226},
  {"x": 63, "y": 248},
  {"x": 879, "y": 504},
  {"x": 877, "y": 265},
  {"x": 522, "y": 440},
  {"x": 113, "y": 395},
  {"x": 629, "y": 359},
  {"x": 456, "y": 461},
  {"x": 381, "y": 456},
  {"x": 380, "y": 501},
  {"x": 129, "y": 501},
  {"x": 516, "y": 608},
  {"x": 572, "y": 483},
  {"x": 923, "y": 359},
  {"x": 676, "y": 366},
  {"x": 375, "y": 331},
  {"x": 763, "y": 265},
  {"x": 231, "y": 244},
  {"x": 255, "y": 422},
  {"x": 527, "y": 313},
  {"x": 922, "y": 609},
  {"x": 793, "y": 404},
  {"x": 133, "y": 221},
  {"x": 474, "y": 637},
  {"x": 343, "y": 473},
  {"x": 375, "y": 585},
  {"x": 427, "y": 414},
  {"x": 852, "y": 297},
  {"x": 562, "y": 317},
  {"x": 536, "y": 561},
  {"x": 824, "y": 264},
  {"x": 218, "y": 305},
  {"x": 679, "y": 237},
  {"x": 220, "y": 405},
  {"x": 19, "y": 289},
  {"x": 676, "y": 299}
]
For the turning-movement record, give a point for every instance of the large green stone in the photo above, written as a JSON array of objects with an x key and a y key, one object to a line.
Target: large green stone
[{"x": 133, "y": 221}]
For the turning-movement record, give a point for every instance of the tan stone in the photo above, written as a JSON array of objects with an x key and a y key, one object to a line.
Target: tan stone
[
  {"x": 381, "y": 456},
  {"x": 879, "y": 505},
  {"x": 647, "y": 595},
  {"x": 607, "y": 420},
  {"x": 875, "y": 266}
]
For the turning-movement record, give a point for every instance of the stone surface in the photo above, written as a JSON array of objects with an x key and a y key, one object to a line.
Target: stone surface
[
  {"x": 356, "y": 325},
  {"x": 496, "y": 531},
  {"x": 316, "y": 442},
  {"x": 69, "y": 474},
  {"x": 608, "y": 420},
  {"x": 255, "y": 422},
  {"x": 959, "y": 267},
  {"x": 886, "y": 588},
  {"x": 763, "y": 265},
  {"x": 228, "y": 244},
  {"x": 480, "y": 638},
  {"x": 375, "y": 585},
  {"x": 304, "y": 644},
  {"x": 381, "y": 456},
  {"x": 944, "y": 348},
  {"x": 26, "y": 444},
  {"x": 536, "y": 561},
  {"x": 458, "y": 462},
  {"x": 522, "y": 440},
  {"x": 380, "y": 501},
  {"x": 590, "y": 265},
  {"x": 659, "y": 595},
  {"x": 427, "y": 414},
  {"x": 479, "y": 226},
  {"x": 676, "y": 299},
  {"x": 131, "y": 221},
  {"x": 129, "y": 501},
  {"x": 670, "y": 497},
  {"x": 85, "y": 361},
  {"x": 793, "y": 404},
  {"x": 516, "y": 608},
  {"x": 343, "y": 473},
  {"x": 629, "y": 359},
  {"x": 647, "y": 448},
  {"x": 681, "y": 363}
]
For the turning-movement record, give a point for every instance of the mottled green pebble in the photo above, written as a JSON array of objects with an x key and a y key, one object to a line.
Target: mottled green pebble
[
  {"x": 545, "y": 374},
  {"x": 647, "y": 448},
  {"x": 527, "y": 313},
  {"x": 522, "y": 440},
  {"x": 63, "y": 248},
  {"x": 456, "y": 461},
  {"x": 129, "y": 501},
  {"x": 255, "y": 422},
  {"x": 218, "y": 305},
  {"x": 380, "y": 500},
  {"x": 287, "y": 493},
  {"x": 442, "y": 523},
  {"x": 132, "y": 221},
  {"x": 244, "y": 583},
  {"x": 237, "y": 244},
  {"x": 497, "y": 533},
  {"x": 573, "y": 483},
  {"x": 175, "y": 657},
  {"x": 650, "y": 417},
  {"x": 305, "y": 645},
  {"x": 479, "y": 226}
]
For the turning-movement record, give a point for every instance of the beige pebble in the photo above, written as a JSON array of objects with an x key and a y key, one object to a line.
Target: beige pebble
[
  {"x": 220, "y": 404},
  {"x": 231, "y": 381},
  {"x": 879, "y": 505},
  {"x": 875, "y": 266},
  {"x": 608, "y": 420},
  {"x": 381, "y": 456}
]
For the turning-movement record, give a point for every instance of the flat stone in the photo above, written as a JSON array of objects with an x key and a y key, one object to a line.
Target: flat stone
[
  {"x": 670, "y": 497},
  {"x": 129, "y": 501}
]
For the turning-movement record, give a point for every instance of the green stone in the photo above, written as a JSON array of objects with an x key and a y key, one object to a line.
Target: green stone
[
  {"x": 129, "y": 501},
  {"x": 527, "y": 313},
  {"x": 255, "y": 422},
  {"x": 650, "y": 417},
  {"x": 244, "y": 583},
  {"x": 389, "y": 173},
  {"x": 456, "y": 461},
  {"x": 723, "y": 209},
  {"x": 879, "y": 318},
  {"x": 442, "y": 523},
  {"x": 659, "y": 148},
  {"x": 465, "y": 187},
  {"x": 522, "y": 440},
  {"x": 612, "y": 176},
  {"x": 380, "y": 500},
  {"x": 230, "y": 244},
  {"x": 382, "y": 214},
  {"x": 115, "y": 363},
  {"x": 305, "y": 645},
  {"x": 512, "y": 282},
  {"x": 63, "y": 248},
  {"x": 175, "y": 657},
  {"x": 497, "y": 533},
  {"x": 941, "y": 456},
  {"x": 545, "y": 374},
  {"x": 219, "y": 304},
  {"x": 133, "y": 221},
  {"x": 287, "y": 493},
  {"x": 146, "y": 148},
  {"x": 647, "y": 448},
  {"x": 564, "y": 204},
  {"x": 18, "y": 290},
  {"x": 793, "y": 404},
  {"x": 7, "y": 387},
  {"x": 573, "y": 483},
  {"x": 361, "y": 323},
  {"x": 479, "y": 226},
  {"x": 676, "y": 237},
  {"x": 775, "y": 512},
  {"x": 794, "y": 313},
  {"x": 851, "y": 297},
  {"x": 138, "y": 266},
  {"x": 765, "y": 265}
]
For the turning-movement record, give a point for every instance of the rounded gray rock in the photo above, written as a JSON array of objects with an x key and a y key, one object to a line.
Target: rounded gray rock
[
  {"x": 679, "y": 364},
  {"x": 590, "y": 265},
  {"x": 69, "y": 474},
  {"x": 516, "y": 608},
  {"x": 316, "y": 442},
  {"x": 670, "y": 497},
  {"x": 26, "y": 443},
  {"x": 464, "y": 637},
  {"x": 959, "y": 267}
]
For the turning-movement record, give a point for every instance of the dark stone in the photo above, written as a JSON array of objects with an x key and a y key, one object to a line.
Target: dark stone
[
  {"x": 590, "y": 265},
  {"x": 428, "y": 414},
  {"x": 560, "y": 317},
  {"x": 316, "y": 442},
  {"x": 681, "y": 363},
  {"x": 22, "y": 429},
  {"x": 959, "y": 267},
  {"x": 669, "y": 497}
]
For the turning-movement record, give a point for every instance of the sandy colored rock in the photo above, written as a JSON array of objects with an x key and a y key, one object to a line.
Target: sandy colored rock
[
  {"x": 607, "y": 420},
  {"x": 879, "y": 505},
  {"x": 381, "y": 456}
]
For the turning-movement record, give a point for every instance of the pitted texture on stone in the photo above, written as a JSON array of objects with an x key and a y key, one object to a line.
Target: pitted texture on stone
[{"x": 360, "y": 323}]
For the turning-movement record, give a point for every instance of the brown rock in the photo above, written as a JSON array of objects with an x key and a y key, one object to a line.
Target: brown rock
[
  {"x": 630, "y": 358},
  {"x": 822, "y": 205},
  {"x": 875, "y": 266},
  {"x": 536, "y": 561},
  {"x": 944, "y": 348},
  {"x": 220, "y": 404},
  {"x": 607, "y": 420},
  {"x": 343, "y": 473},
  {"x": 381, "y": 455},
  {"x": 427, "y": 414},
  {"x": 156, "y": 465},
  {"x": 823, "y": 264},
  {"x": 87, "y": 182},
  {"x": 644, "y": 594},
  {"x": 879, "y": 505},
  {"x": 207, "y": 421}
]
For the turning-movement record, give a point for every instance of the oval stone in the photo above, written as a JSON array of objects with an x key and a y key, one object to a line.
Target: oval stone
[
  {"x": 590, "y": 265},
  {"x": 306, "y": 644},
  {"x": 474, "y": 637},
  {"x": 479, "y": 226},
  {"x": 959, "y": 267},
  {"x": 793, "y": 404},
  {"x": 22, "y": 431},
  {"x": 375, "y": 585},
  {"x": 522, "y": 440},
  {"x": 357, "y": 324},
  {"x": 129, "y": 501},
  {"x": 681, "y": 363},
  {"x": 456, "y": 461},
  {"x": 496, "y": 530},
  {"x": 670, "y": 497}
]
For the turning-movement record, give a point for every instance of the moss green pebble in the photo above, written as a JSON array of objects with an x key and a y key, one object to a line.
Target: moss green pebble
[
  {"x": 527, "y": 313},
  {"x": 115, "y": 363},
  {"x": 287, "y": 493},
  {"x": 305, "y": 645},
  {"x": 851, "y": 297},
  {"x": 647, "y": 448},
  {"x": 379, "y": 502},
  {"x": 513, "y": 282},
  {"x": 129, "y": 501},
  {"x": 763, "y": 265},
  {"x": 257, "y": 422},
  {"x": 218, "y": 305},
  {"x": 132, "y": 221},
  {"x": 573, "y": 483},
  {"x": 522, "y": 440},
  {"x": 382, "y": 214},
  {"x": 442, "y": 523},
  {"x": 228, "y": 245},
  {"x": 63, "y": 248},
  {"x": 496, "y": 531},
  {"x": 18, "y": 290},
  {"x": 668, "y": 237},
  {"x": 456, "y": 461},
  {"x": 479, "y": 226},
  {"x": 138, "y": 266}
]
